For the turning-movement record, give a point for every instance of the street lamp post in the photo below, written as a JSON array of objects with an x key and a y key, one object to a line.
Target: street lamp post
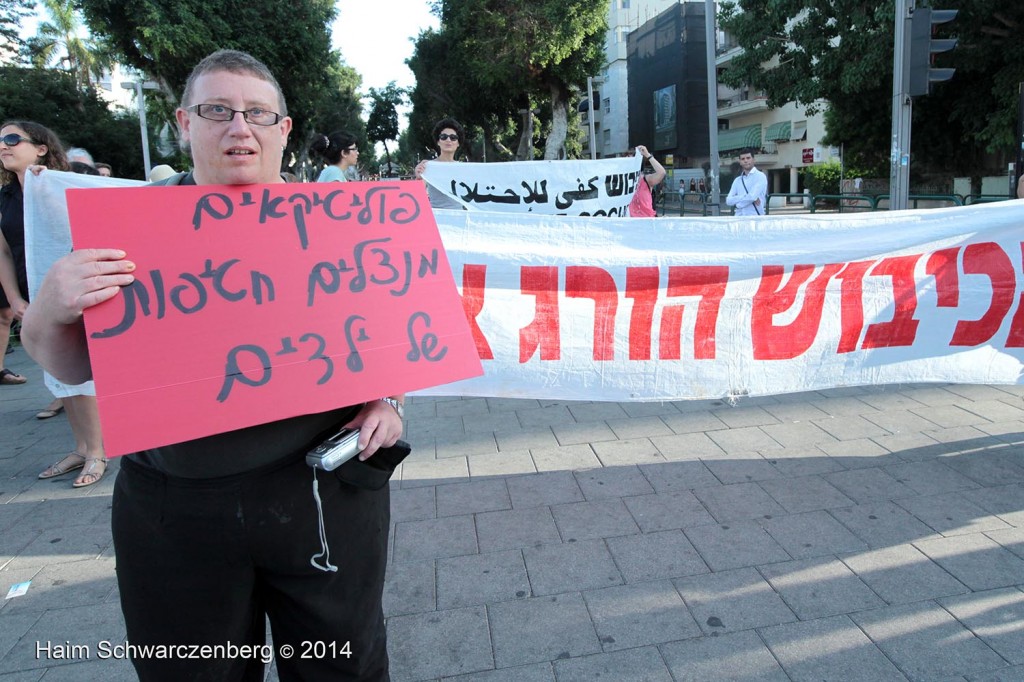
[
  {"x": 139, "y": 87},
  {"x": 710, "y": 35}
]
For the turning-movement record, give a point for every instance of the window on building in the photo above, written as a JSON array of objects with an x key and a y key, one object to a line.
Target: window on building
[
  {"x": 607, "y": 105},
  {"x": 606, "y": 137},
  {"x": 623, "y": 4},
  {"x": 799, "y": 130},
  {"x": 623, "y": 35}
]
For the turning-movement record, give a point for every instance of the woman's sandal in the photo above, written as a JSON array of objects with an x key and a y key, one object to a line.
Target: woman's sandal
[
  {"x": 64, "y": 466},
  {"x": 8, "y": 377},
  {"x": 89, "y": 474},
  {"x": 51, "y": 410}
]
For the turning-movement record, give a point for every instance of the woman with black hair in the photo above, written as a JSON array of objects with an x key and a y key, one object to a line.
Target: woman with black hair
[
  {"x": 340, "y": 151},
  {"x": 24, "y": 145},
  {"x": 448, "y": 134}
]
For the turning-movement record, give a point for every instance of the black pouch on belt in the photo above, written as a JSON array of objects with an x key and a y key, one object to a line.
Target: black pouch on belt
[{"x": 375, "y": 472}]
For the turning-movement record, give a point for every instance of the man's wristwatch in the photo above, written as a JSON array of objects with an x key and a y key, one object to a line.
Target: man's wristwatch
[{"x": 399, "y": 408}]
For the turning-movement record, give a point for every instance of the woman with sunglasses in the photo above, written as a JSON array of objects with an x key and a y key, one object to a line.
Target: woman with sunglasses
[
  {"x": 340, "y": 151},
  {"x": 24, "y": 144},
  {"x": 448, "y": 133}
]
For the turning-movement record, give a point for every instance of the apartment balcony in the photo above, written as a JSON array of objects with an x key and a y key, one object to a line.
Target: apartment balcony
[{"x": 742, "y": 104}]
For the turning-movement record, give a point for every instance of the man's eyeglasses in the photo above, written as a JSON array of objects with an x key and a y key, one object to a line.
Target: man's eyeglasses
[
  {"x": 446, "y": 136},
  {"x": 14, "y": 139},
  {"x": 219, "y": 112},
  {"x": 350, "y": 149}
]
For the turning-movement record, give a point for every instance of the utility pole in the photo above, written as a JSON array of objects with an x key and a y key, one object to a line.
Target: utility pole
[
  {"x": 709, "y": 39},
  {"x": 902, "y": 109}
]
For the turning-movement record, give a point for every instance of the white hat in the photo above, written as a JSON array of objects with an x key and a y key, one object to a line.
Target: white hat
[{"x": 161, "y": 172}]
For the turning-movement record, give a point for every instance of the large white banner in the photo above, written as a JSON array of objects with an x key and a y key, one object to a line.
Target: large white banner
[
  {"x": 636, "y": 309},
  {"x": 581, "y": 188}
]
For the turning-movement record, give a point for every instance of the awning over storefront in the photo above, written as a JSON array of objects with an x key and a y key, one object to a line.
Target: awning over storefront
[
  {"x": 738, "y": 138},
  {"x": 778, "y": 131}
]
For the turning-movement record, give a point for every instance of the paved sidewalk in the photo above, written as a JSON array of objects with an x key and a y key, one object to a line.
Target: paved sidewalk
[{"x": 856, "y": 534}]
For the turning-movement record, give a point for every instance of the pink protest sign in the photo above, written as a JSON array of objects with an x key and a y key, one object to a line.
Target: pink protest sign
[{"x": 261, "y": 302}]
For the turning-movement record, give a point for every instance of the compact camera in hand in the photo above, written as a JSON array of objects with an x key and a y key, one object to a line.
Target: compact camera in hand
[{"x": 335, "y": 451}]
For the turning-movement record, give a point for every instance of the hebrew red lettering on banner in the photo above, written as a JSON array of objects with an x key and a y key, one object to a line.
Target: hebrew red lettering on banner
[
  {"x": 543, "y": 331},
  {"x": 851, "y": 303},
  {"x": 597, "y": 284},
  {"x": 902, "y": 328},
  {"x": 642, "y": 287},
  {"x": 990, "y": 260},
  {"x": 474, "y": 280},
  {"x": 773, "y": 342},
  {"x": 942, "y": 266},
  {"x": 709, "y": 283}
]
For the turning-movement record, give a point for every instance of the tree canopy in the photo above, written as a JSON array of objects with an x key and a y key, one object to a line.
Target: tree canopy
[
  {"x": 840, "y": 53},
  {"x": 12, "y": 12},
  {"x": 165, "y": 39},
  {"x": 492, "y": 58},
  {"x": 383, "y": 122}
]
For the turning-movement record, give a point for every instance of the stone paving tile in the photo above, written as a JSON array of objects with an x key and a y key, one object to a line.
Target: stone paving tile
[
  {"x": 481, "y": 579},
  {"x": 741, "y": 468},
  {"x": 538, "y": 672},
  {"x": 996, "y": 616},
  {"x": 428, "y": 429},
  {"x": 410, "y": 588},
  {"x": 742, "y": 654},
  {"x": 653, "y": 556},
  {"x": 428, "y": 645},
  {"x": 75, "y": 583},
  {"x": 596, "y": 411},
  {"x": 13, "y": 541},
  {"x": 82, "y": 625},
  {"x": 819, "y": 587},
  {"x": 1014, "y": 674},
  {"x": 613, "y": 482},
  {"x": 686, "y": 446},
  {"x": 951, "y": 514},
  {"x": 543, "y": 489},
  {"x": 1006, "y": 432},
  {"x": 850, "y": 427},
  {"x": 546, "y": 416},
  {"x": 626, "y": 452},
  {"x": 912, "y": 447},
  {"x": 929, "y": 478},
  {"x": 571, "y": 566},
  {"x": 902, "y": 574},
  {"x": 975, "y": 560},
  {"x": 457, "y": 408},
  {"x": 828, "y": 649},
  {"x": 980, "y": 392},
  {"x": 667, "y": 511},
  {"x": 1012, "y": 539},
  {"x": 590, "y": 520},
  {"x": 63, "y": 544},
  {"x": 565, "y": 458},
  {"x": 732, "y": 601},
  {"x": 881, "y": 524},
  {"x": 884, "y": 399},
  {"x": 501, "y": 464},
  {"x": 644, "y": 664},
  {"x": 639, "y": 427},
  {"x": 541, "y": 629},
  {"x": 794, "y": 462},
  {"x": 743, "y": 416},
  {"x": 925, "y": 642},
  {"x": 794, "y": 411},
  {"x": 13, "y": 627},
  {"x": 583, "y": 432},
  {"x": 693, "y": 422},
  {"x": 1006, "y": 502},
  {"x": 493, "y": 422},
  {"x": 639, "y": 614},
  {"x": 648, "y": 409},
  {"x": 995, "y": 410},
  {"x": 525, "y": 439},
  {"x": 738, "y": 501},
  {"x": 735, "y": 545},
  {"x": 743, "y": 440},
  {"x": 505, "y": 404},
  {"x": 868, "y": 485},
  {"x": 805, "y": 493},
  {"x": 434, "y": 472},
  {"x": 475, "y": 496},
  {"x": 859, "y": 453},
  {"x": 811, "y": 534},
  {"x": 514, "y": 529},
  {"x": 110, "y": 670},
  {"x": 413, "y": 504},
  {"x": 433, "y": 538},
  {"x": 932, "y": 395},
  {"x": 985, "y": 468},
  {"x": 46, "y": 515},
  {"x": 677, "y": 476},
  {"x": 948, "y": 415},
  {"x": 798, "y": 434},
  {"x": 464, "y": 444}
]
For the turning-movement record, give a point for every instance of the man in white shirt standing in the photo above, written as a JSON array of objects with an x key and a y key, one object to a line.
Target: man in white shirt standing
[{"x": 749, "y": 190}]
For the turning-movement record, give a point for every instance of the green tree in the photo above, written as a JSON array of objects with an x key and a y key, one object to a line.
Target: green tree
[
  {"x": 58, "y": 40},
  {"x": 165, "y": 39},
  {"x": 383, "y": 122},
  {"x": 524, "y": 54},
  {"x": 79, "y": 117},
  {"x": 838, "y": 53},
  {"x": 12, "y": 13}
]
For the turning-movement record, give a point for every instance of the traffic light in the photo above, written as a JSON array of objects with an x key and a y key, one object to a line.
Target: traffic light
[{"x": 922, "y": 48}]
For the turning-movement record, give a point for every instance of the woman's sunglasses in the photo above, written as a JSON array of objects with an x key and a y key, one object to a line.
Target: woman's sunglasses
[
  {"x": 446, "y": 136},
  {"x": 14, "y": 139}
]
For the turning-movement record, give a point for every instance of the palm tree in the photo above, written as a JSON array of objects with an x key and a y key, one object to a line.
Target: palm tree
[{"x": 58, "y": 40}]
